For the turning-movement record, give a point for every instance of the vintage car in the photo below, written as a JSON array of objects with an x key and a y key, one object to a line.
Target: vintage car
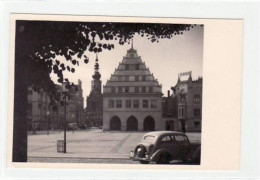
[{"x": 164, "y": 146}]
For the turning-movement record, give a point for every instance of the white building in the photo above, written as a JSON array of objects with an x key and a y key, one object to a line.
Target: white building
[{"x": 132, "y": 97}]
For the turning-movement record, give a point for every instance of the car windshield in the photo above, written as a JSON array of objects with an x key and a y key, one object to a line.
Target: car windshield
[{"x": 149, "y": 138}]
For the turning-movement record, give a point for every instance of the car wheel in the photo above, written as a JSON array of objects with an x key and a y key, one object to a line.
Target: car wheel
[
  {"x": 144, "y": 162},
  {"x": 164, "y": 159}
]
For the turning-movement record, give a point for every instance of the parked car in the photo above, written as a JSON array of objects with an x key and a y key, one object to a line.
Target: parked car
[{"x": 164, "y": 146}]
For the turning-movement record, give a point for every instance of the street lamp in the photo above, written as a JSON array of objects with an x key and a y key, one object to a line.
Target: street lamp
[
  {"x": 65, "y": 94},
  {"x": 48, "y": 118}
]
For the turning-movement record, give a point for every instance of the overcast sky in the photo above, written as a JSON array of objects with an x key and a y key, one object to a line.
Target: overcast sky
[{"x": 165, "y": 59}]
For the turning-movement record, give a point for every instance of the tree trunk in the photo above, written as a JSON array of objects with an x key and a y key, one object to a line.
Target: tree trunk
[{"x": 20, "y": 107}]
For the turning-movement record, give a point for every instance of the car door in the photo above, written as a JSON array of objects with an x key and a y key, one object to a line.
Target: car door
[
  {"x": 182, "y": 145},
  {"x": 168, "y": 143}
]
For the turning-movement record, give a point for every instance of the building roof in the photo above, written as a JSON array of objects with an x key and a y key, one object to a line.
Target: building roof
[{"x": 132, "y": 71}]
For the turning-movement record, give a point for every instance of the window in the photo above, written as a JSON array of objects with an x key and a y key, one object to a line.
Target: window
[
  {"x": 153, "y": 104},
  {"x": 128, "y": 103},
  {"x": 136, "y": 89},
  {"x": 137, "y": 66},
  {"x": 118, "y": 103},
  {"x": 127, "y": 67},
  {"x": 196, "y": 98},
  {"x": 113, "y": 89},
  {"x": 166, "y": 139},
  {"x": 180, "y": 138},
  {"x": 136, "y": 78},
  {"x": 120, "y": 78},
  {"x": 150, "y": 89},
  {"x": 143, "y": 89},
  {"x": 111, "y": 103},
  {"x": 120, "y": 89},
  {"x": 183, "y": 99},
  {"x": 196, "y": 112},
  {"x": 143, "y": 78},
  {"x": 196, "y": 124},
  {"x": 126, "y": 89},
  {"x": 39, "y": 106},
  {"x": 127, "y": 78},
  {"x": 145, "y": 103},
  {"x": 136, "y": 103}
]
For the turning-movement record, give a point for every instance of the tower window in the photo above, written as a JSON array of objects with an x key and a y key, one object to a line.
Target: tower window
[
  {"x": 143, "y": 78},
  {"x": 136, "y": 89},
  {"x": 153, "y": 104},
  {"x": 145, "y": 103},
  {"x": 120, "y": 89},
  {"x": 128, "y": 103},
  {"x": 137, "y": 66},
  {"x": 127, "y": 78},
  {"x": 143, "y": 89},
  {"x": 111, "y": 103},
  {"x": 136, "y": 103},
  {"x": 196, "y": 98},
  {"x": 136, "y": 78},
  {"x": 126, "y": 89},
  {"x": 113, "y": 89},
  {"x": 196, "y": 112},
  {"x": 127, "y": 67},
  {"x": 118, "y": 103},
  {"x": 150, "y": 89}
]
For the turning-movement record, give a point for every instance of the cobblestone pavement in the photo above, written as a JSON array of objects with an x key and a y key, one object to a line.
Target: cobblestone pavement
[{"x": 94, "y": 146}]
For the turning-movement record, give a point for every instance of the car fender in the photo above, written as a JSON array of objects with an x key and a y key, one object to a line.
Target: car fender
[{"x": 156, "y": 155}]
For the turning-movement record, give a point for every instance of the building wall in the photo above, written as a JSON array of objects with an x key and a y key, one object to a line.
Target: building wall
[
  {"x": 140, "y": 113},
  {"x": 41, "y": 115},
  {"x": 133, "y": 82},
  {"x": 189, "y": 99}
]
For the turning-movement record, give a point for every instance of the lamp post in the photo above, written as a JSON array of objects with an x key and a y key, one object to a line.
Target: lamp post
[
  {"x": 48, "y": 118},
  {"x": 65, "y": 94}
]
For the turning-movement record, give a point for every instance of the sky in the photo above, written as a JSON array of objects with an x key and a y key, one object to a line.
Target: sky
[{"x": 165, "y": 60}]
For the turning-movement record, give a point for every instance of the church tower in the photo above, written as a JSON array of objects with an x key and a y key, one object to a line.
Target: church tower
[{"x": 94, "y": 109}]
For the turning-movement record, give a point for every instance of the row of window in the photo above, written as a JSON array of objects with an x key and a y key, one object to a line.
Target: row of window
[
  {"x": 131, "y": 66},
  {"x": 132, "y": 78},
  {"x": 132, "y": 103},
  {"x": 137, "y": 89},
  {"x": 196, "y": 98},
  {"x": 182, "y": 112}
]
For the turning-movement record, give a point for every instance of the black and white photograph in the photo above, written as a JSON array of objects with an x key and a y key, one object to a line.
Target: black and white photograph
[{"x": 108, "y": 92}]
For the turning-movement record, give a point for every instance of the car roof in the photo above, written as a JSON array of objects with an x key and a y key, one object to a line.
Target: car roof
[{"x": 159, "y": 133}]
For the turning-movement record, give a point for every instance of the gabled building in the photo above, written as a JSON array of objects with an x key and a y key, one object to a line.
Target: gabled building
[
  {"x": 132, "y": 97},
  {"x": 94, "y": 109},
  {"x": 188, "y": 97}
]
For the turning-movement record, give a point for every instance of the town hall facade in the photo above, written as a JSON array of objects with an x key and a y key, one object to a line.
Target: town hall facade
[{"x": 132, "y": 97}]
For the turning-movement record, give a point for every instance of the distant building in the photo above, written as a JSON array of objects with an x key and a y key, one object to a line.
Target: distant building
[
  {"x": 94, "y": 109},
  {"x": 187, "y": 101},
  {"x": 132, "y": 97},
  {"x": 170, "y": 112},
  {"x": 41, "y": 115}
]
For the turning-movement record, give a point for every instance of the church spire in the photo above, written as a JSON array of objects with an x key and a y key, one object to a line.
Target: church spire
[{"x": 97, "y": 74}]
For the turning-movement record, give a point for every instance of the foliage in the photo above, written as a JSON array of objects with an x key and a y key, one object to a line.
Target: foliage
[{"x": 41, "y": 42}]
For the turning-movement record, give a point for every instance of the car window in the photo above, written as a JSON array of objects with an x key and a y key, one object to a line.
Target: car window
[
  {"x": 180, "y": 138},
  {"x": 149, "y": 138},
  {"x": 166, "y": 139}
]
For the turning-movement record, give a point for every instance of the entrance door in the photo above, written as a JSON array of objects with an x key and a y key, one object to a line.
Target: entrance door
[
  {"x": 115, "y": 123},
  {"x": 169, "y": 125},
  {"x": 149, "y": 124},
  {"x": 132, "y": 124}
]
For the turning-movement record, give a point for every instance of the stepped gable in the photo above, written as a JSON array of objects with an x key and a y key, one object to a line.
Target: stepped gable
[{"x": 132, "y": 71}]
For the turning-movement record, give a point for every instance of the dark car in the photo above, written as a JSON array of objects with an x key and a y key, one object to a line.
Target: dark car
[{"x": 164, "y": 146}]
